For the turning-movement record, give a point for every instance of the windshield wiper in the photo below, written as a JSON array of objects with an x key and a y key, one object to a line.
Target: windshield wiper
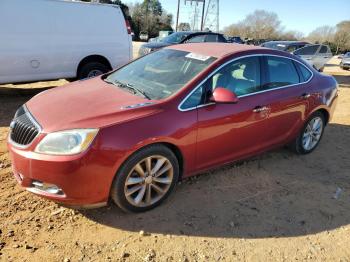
[{"x": 130, "y": 87}]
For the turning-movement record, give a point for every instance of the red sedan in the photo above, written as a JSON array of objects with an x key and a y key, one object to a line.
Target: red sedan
[{"x": 130, "y": 135}]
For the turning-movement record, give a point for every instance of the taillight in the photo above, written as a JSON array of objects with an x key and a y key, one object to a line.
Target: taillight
[{"x": 128, "y": 27}]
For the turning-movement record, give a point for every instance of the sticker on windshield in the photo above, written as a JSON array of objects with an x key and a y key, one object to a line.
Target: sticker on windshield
[{"x": 197, "y": 56}]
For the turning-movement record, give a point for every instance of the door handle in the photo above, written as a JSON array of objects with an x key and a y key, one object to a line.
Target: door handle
[
  {"x": 259, "y": 109},
  {"x": 305, "y": 96}
]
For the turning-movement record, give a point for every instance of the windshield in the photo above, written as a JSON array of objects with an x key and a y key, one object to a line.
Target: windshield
[
  {"x": 175, "y": 38},
  {"x": 347, "y": 54},
  {"x": 160, "y": 74}
]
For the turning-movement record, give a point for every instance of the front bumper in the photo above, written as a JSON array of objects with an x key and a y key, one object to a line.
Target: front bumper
[{"x": 82, "y": 180}]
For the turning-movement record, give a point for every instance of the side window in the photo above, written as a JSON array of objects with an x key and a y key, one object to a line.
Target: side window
[
  {"x": 194, "y": 99},
  {"x": 221, "y": 39},
  {"x": 211, "y": 38},
  {"x": 196, "y": 39},
  {"x": 291, "y": 48},
  {"x": 307, "y": 50},
  {"x": 241, "y": 76},
  {"x": 323, "y": 49},
  {"x": 281, "y": 72},
  {"x": 306, "y": 74}
]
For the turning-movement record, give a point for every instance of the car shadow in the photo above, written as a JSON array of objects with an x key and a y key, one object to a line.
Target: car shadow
[{"x": 277, "y": 194}]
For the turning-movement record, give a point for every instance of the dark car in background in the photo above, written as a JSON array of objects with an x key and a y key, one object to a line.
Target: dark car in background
[
  {"x": 234, "y": 39},
  {"x": 287, "y": 46},
  {"x": 181, "y": 38}
]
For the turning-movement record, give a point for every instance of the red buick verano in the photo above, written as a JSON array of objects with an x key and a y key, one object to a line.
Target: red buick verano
[{"x": 130, "y": 135}]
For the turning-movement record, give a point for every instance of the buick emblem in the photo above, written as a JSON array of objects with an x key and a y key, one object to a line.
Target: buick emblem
[{"x": 12, "y": 125}]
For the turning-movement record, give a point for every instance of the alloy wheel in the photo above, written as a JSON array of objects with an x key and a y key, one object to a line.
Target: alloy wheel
[
  {"x": 312, "y": 133},
  {"x": 148, "y": 181}
]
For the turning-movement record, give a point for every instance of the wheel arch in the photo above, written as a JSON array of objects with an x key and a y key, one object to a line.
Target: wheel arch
[
  {"x": 324, "y": 112},
  {"x": 93, "y": 58},
  {"x": 174, "y": 148}
]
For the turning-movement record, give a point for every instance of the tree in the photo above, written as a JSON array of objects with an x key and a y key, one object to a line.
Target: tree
[
  {"x": 260, "y": 24},
  {"x": 322, "y": 34},
  {"x": 184, "y": 27},
  {"x": 149, "y": 16},
  {"x": 342, "y": 36},
  {"x": 291, "y": 35}
]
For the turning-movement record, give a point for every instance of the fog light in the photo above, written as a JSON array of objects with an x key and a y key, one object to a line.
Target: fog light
[{"x": 49, "y": 188}]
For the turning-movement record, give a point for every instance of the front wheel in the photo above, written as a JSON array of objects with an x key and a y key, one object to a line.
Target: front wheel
[
  {"x": 145, "y": 179},
  {"x": 310, "y": 135}
]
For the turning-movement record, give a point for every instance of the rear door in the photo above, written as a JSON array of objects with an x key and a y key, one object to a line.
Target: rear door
[{"x": 287, "y": 96}]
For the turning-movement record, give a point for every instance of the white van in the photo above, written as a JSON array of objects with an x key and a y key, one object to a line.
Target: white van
[{"x": 53, "y": 39}]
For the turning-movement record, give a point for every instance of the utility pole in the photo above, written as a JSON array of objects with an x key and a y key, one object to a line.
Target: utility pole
[
  {"x": 177, "y": 16},
  {"x": 202, "y": 22}
]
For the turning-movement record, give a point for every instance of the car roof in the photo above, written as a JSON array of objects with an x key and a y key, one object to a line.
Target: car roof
[{"x": 217, "y": 50}]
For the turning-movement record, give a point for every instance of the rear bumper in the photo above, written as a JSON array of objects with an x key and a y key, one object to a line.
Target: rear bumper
[{"x": 82, "y": 180}]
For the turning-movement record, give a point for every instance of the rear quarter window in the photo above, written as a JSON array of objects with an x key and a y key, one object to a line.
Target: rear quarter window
[{"x": 305, "y": 73}]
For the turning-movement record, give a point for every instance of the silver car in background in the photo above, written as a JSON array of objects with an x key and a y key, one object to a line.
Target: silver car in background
[
  {"x": 345, "y": 62},
  {"x": 316, "y": 55}
]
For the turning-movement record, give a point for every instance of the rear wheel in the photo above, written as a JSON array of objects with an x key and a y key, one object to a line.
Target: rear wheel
[
  {"x": 145, "y": 179},
  {"x": 310, "y": 135},
  {"x": 92, "y": 69}
]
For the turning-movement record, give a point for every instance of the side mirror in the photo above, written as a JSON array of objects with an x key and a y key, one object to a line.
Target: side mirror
[{"x": 223, "y": 95}]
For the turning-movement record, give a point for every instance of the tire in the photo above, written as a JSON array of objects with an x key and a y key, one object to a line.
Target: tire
[
  {"x": 300, "y": 145},
  {"x": 87, "y": 70},
  {"x": 140, "y": 200}
]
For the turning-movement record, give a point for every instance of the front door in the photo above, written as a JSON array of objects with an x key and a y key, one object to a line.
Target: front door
[{"x": 228, "y": 132}]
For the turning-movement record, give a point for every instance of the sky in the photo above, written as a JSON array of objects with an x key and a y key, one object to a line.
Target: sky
[{"x": 300, "y": 15}]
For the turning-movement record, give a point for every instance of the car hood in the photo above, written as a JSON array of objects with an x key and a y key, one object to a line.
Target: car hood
[
  {"x": 155, "y": 45},
  {"x": 87, "y": 104}
]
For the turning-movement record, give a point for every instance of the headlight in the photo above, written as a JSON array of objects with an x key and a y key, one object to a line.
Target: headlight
[{"x": 68, "y": 142}]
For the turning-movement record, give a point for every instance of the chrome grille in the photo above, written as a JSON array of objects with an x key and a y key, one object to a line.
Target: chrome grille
[{"x": 23, "y": 128}]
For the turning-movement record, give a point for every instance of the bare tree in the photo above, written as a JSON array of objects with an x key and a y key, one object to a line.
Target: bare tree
[
  {"x": 291, "y": 35},
  {"x": 322, "y": 34},
  {"x": 258, "y": 25},
  {"x": 263, "y": 24},
  {"x": 342, "y": 36}
]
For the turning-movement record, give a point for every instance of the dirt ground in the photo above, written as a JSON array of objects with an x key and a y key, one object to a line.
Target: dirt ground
[{"x": 277, "y": 206}]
